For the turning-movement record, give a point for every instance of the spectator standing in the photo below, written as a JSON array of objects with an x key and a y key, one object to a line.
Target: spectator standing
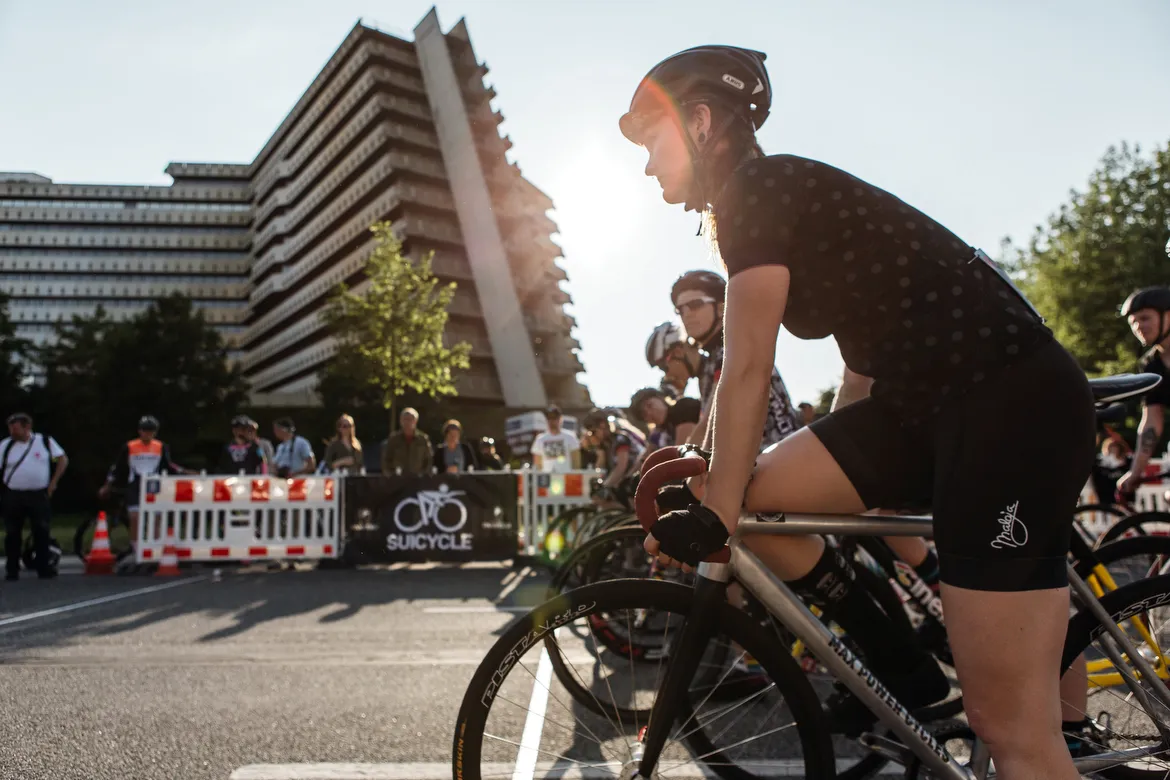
[
  {"x": 344, "y": 450},
  {"x": 807, "y": 413},
  {"x": 294, "y": 454},
  {"x": 407, "y": 449},
  {"x": 556, "y": 449},
  {"x": 455, "y": 455},
  {"x": 242, "y": 453},
  {"x": 265, "y": 445},
  {"x": 489, "y": 459},
  {"x": 144, "y": 456},
  {"x": 29, "y": 480}
]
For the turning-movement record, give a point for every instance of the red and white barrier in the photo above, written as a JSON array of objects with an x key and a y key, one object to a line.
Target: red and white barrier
[
  {"x": 241, "y": 518},
  {"x": 544, "y": 495}
]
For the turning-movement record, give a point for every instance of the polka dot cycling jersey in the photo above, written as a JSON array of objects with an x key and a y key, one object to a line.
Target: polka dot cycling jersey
[
  {"x": 781, "y": 418},
  {"x": 909, "y": 303}
]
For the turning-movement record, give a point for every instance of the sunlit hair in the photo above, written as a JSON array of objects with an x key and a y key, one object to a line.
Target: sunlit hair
[
  {"x": 352, "y": 437},
  {"x": 737, "y": 145}
]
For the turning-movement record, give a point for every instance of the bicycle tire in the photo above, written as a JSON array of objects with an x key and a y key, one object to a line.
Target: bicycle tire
[
  {"x": 1083, "y": 628},
  {"x": 613, "y": 595},
  {"x": 1155, "y": 546},
  {"x": 1130, "y": 523}
]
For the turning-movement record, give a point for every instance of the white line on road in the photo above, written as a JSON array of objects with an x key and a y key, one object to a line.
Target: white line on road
[
  {"x": 94, "y": 602},
  {"x": 534, "y": 723},
  {"x": 473, "y": 610},
  {"x": 510, "y": 586},
  {"x": 790, "y": 768}
]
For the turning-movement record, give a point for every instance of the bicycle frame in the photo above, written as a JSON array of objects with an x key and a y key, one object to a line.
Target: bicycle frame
[{"x": 788, "y": 609}]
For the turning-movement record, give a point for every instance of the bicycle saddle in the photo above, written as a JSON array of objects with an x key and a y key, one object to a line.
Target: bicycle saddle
[{"x": 1107, "y": 389}]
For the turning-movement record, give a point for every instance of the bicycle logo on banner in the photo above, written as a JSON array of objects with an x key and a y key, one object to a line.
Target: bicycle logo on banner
[{"x": 427, "y": 504}]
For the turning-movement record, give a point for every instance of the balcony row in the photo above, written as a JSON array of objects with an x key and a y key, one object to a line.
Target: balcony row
[
  {"x": 177, "y": 216},
  {"x": 149, "y": 262},
  {"x": 291, "y": 143},
  {"x": 126, "y": 192},
  {"x": 148, "y": 289},
  {"x": 162, "y": 239}
]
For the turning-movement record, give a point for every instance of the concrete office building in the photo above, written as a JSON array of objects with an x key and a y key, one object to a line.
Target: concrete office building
[{"x": 390, "y": 129}]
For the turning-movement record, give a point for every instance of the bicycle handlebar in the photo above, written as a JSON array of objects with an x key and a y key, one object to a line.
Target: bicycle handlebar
[{"x": 662, "y": 466}]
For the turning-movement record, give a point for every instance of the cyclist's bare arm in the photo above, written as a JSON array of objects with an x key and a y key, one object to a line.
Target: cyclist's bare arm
[
  {"x": 1149, "y": 434},
  {"x": 619, "y": 469}
]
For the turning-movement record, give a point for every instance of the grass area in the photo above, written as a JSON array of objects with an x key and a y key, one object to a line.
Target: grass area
[{"x": 62, "y": 528}]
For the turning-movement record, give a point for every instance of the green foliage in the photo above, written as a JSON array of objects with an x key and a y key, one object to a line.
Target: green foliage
[
  {"x": 13, "y": 353},
  {"x": 390, "y": 333},
  {"x": 825, "y": 403},
  {"x": 1100, "y": 246},
  {"x": 102, "y": 375}
]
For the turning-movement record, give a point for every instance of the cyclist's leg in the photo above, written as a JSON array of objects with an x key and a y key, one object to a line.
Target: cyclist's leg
[{"x": 1012, "y": 457}]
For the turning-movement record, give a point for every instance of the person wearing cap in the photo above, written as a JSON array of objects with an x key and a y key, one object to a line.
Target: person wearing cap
[
  {"x": 556, "y": 449},
  {"x": 31, "y": 466},
  {"x": 408, "y": 449},
  {"x": 265, "y": 445},
  {"x": 294, "y": 454},
  {"x": 242, "y": 453},
  {"x": 143, "y": 456}
]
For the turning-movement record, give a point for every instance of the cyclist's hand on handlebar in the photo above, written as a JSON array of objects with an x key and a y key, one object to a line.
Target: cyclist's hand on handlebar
[
  {"x": 1129, "y": 483},
  {"x": 686, "y": 537}
]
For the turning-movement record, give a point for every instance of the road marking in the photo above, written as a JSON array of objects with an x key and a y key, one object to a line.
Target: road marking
[
  {"x": 516, "y": 581},
  {"x": 473, "y": 610},
  {"x": 534, "y": 723},
  {"x": 791, "y": 768},
  {"x": 94, "y": 602}
]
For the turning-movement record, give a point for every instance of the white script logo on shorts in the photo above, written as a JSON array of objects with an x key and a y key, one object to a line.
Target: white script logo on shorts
[{"x": 1014, "y": 533}]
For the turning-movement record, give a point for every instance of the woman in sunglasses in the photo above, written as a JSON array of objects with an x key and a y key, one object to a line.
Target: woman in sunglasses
[{"x": 698, "y": 300}]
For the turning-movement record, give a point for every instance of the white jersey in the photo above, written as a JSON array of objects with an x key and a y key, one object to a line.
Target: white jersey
[{"x": 556, "y": 450}]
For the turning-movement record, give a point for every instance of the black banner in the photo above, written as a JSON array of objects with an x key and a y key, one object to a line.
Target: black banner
[{"x": 445, "y": 517}]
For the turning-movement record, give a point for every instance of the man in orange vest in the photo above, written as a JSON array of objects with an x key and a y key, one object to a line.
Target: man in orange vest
[{"x": 144, "y": 456}]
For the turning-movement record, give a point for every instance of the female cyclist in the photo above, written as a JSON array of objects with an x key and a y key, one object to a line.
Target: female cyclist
[{"x": 960, "y": 363}]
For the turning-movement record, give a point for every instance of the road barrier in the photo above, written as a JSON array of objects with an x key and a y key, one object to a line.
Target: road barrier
[
  {"x": 241, "y": 518},
  {"x": 543, "y": 496}
]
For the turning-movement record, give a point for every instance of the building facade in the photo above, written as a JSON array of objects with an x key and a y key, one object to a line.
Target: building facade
[{"x": 390, "y": 129}]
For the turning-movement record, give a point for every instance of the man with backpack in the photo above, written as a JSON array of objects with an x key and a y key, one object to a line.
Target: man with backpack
[
  {"x": 31, "y": 466},
  {"x": 294, "y": 454}
]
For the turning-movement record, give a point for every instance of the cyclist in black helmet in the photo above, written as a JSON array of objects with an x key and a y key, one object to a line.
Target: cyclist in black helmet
[
  {"x": 671, "y": 420},
  {"x": 668, "y": 351},
  {"x": 698, "y": 298},
  {"x": 607, "y": 431},
  {"x": 1148, "y": 314},
  {"x": 960, "y": 363}
]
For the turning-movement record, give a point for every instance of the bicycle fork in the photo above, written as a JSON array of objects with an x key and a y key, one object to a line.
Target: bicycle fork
[{"x": 685, "y": 654}]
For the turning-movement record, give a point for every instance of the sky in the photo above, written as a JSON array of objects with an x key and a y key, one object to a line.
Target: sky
[{"x": 982, "y": 113}]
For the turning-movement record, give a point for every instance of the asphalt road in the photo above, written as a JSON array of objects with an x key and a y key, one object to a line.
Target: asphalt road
[
  {"x": 105, "y": 678},
  {"x": 204, "y": 677}
]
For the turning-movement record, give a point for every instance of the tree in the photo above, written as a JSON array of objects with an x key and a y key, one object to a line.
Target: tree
[
  {"x": 13, "y": 352},
  {"x": 1102, "y": 245},
  {"x": 102, "y": 375},
  {"x": 390, "y": 332}
]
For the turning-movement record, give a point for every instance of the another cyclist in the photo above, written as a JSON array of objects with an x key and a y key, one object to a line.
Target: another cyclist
[
  {"x": 1148, "y": 314},
  {"x": 671, "y": 420},
  {"x": 961, "y": 363},
  {"x": 141, "y": 457},
  {"x": 607, "y": 431},
  {"x": 698, "y": 298},
  {"x": 667, "y": 350}
]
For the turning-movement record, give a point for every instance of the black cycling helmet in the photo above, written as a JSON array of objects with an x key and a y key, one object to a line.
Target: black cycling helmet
[
  {"x": 1156, "y": 298},
  {"x": 729, "y": 77},
  {"x": 241, "y": 421},
  {"x": 602, "y": 419},
  {"x": 735, "y": 78},
  {"x": 704, "y": 281},
  {"x": 148, "y": 423},
  {"x": 641, "y": 396}
]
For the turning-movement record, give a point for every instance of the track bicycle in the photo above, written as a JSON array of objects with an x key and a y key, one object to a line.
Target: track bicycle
[{"x": 663, "y": 740}]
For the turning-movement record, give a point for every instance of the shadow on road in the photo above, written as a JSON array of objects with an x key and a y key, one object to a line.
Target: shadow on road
[{"x": 251, "y": 598}]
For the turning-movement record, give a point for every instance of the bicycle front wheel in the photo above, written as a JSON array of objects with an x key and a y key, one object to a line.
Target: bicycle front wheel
[{"x": 516, "y": 716}]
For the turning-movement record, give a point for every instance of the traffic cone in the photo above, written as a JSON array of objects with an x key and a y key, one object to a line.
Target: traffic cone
[
  {"x": 100, "y": 560},
  {"x": 169, "y": 565}
]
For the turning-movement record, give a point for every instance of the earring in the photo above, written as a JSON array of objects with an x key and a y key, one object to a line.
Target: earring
[{"x": 702, "y": 138}]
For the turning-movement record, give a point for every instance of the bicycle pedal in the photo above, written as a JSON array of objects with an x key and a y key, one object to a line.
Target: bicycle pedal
[{"x": 887, "y": 748}]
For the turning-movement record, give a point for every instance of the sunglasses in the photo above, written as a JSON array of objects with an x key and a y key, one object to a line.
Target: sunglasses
[{"x": 694, "y": 305}]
